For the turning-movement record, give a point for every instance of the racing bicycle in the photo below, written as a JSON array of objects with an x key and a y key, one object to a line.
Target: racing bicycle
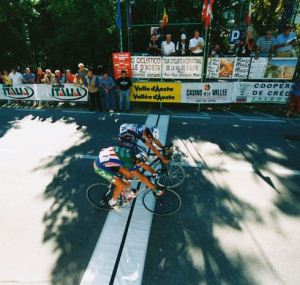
[{"x": 169, "y": 176}]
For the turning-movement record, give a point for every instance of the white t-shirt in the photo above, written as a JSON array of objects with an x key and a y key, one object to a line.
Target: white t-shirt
[
  {"x": 195, "y": 42},
  {"x": 166, "y": 48},
  {"x": 16, "y": 78}
]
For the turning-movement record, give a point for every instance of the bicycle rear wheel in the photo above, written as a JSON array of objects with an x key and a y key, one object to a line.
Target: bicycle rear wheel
[
  {"x": 98, "y": 195},
  {"x": 171, "y": 177},
  {"x": 167, "y": 204}
]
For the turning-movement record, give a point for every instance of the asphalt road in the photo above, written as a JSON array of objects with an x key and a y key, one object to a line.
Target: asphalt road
[{"x": 239, "y": 222}]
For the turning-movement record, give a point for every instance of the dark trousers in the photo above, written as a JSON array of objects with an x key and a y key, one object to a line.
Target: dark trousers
[{"x": 95, "y": 101}]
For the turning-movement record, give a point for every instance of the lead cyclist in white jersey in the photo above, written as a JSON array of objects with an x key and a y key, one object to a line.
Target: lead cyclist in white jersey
[{"x": 130, "y": 134}]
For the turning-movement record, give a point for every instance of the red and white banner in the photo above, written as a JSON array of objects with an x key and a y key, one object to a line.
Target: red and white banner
[{"x": 121, "y": 61}]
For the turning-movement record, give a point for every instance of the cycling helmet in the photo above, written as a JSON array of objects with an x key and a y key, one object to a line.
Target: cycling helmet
[{"x": 140, "y": 129}]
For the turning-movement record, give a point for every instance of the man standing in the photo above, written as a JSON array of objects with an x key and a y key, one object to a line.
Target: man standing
[
  {"x": 182, "y": 46},
  {"x": 124, "y": 83},
  {"x": 285, "y": 42},
  {"x": 265, "y": 45},
  {"x": 28, "y": 77},
  {"x": 167, "y": 46},
  {"x": 16, "y": 77},
  {"x": 59, "y": 77},
  {"x": 92, "y": 83},
  {"x": 108, "y": 85},
  {"x": 196, "y": 44},
  {"x": 82, "y": 73}
]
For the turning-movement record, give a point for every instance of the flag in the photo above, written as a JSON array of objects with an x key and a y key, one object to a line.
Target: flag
[
  {"x": 207, "y": 11},
  {"x": 204, "y": 8},
  {"x": 248, "y": 16},
  {"x": 165, "y": 18},
  {"x": 119, "y": 16}
]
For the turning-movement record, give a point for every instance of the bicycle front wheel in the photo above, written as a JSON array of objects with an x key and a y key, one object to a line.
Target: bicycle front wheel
[
  {"x": 171, "y": 177},
  {"x": 98, "y": 195},
  {"x": 167, "y": 204}
]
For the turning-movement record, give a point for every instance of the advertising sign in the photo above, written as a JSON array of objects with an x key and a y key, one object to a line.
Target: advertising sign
[
  {"x": 167, "y": 92},
  {"x": 182, "y": 67},
  {"x": 207, "y": 92},
  {"x": 241, "y": 67},
  {"x": 221, "y": 67},
  {"x": 121, "y": 61},
  {"x": 146, "y": 66},
  {"x": 275, "y": 68},
  {"x": 44, "y": 92},
  {"x": 261, "y": 92}
]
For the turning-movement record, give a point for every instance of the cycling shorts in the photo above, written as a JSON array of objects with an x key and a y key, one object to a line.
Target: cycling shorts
[{"x": 104, "y": 172}]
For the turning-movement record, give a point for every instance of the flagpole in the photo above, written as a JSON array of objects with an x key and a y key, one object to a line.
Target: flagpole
[
  {"x": 119, "y": 24},
  {"x": 205, "y": 53}
]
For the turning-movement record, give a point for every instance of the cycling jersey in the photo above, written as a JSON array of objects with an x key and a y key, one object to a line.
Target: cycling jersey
[
  {"x": 130, "y": 133},
  {"x": 114, "y": 157}
]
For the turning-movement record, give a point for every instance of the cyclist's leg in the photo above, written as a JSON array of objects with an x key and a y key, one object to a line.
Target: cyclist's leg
[
  {"x": 147, "y": 167},
  {"x": 143, "y": 179},
  {"x": 116, "y": 181},
  {"x": 157, "y": 153}
]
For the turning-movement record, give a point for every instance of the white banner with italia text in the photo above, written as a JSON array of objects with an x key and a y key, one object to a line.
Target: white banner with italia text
[{"x": 44, "y": 92}]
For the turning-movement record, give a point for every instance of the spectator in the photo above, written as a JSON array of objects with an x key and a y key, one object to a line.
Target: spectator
[
  {"x": 108, "y": 85},
  {"x": 294, "y": 106},
  {"x": 246, "y": 47},
  {"x": 16, "y": 77},
  {"x": 77, "y": 79},
  {"x": 39, "y": 75},
  {"x": 215, "y": 51},
  {"x": 265, "y": 45},
  {"x": 70, "y": 77},
  {"x": 49, "y": 77},
  {"x": 153, "y": 47},
  {"x": 124, "y": 83},
  {"x": 196, "y": 44},
  {"x": 82, "y": 73},
  {"x": 92, "y": 83},
  {"x": 161, "y": 32},
  {"x": 5, "y": 78},
  {"x": 167, "y": 46},
  {"x": 59, "y": 77},
  {"x": 182, "y": 48},
  {"x": 28, "y": 77},
  {"x": 285, "y": 43}
]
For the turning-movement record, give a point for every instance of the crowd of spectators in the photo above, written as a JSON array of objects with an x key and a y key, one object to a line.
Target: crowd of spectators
[
  {"x": 103, "y": 91},
  {"x": 161, "y": 43}
]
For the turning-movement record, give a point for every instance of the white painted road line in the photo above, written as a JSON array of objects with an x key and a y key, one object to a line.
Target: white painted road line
[
  {"x": 263, "y": 120},
  {"x": 234, "y": 114},
  {"x": 131, "y": 266},
  {"x": 190, "y": 163},
  {"x": 104, "y": 258},
  {"x": 191, "y": 117}
]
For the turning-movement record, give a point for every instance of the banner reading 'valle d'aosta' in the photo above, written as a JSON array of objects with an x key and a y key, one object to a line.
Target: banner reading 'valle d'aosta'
[{"x": 44, "y": 92}]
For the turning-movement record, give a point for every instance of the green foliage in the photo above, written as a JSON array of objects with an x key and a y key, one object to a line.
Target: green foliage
[{"x": 61, "y": 33}]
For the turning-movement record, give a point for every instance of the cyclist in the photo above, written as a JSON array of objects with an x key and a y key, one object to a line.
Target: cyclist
[
  {"x": 115, "y": 162},
  {"x": 130, "y": 134}
]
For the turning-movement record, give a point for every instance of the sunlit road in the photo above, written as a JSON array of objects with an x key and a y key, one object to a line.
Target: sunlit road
[{"x": 239, "y": 222}]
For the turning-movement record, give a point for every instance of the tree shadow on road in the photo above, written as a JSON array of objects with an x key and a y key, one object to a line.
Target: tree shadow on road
[{"x": 185, "y": 248}]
